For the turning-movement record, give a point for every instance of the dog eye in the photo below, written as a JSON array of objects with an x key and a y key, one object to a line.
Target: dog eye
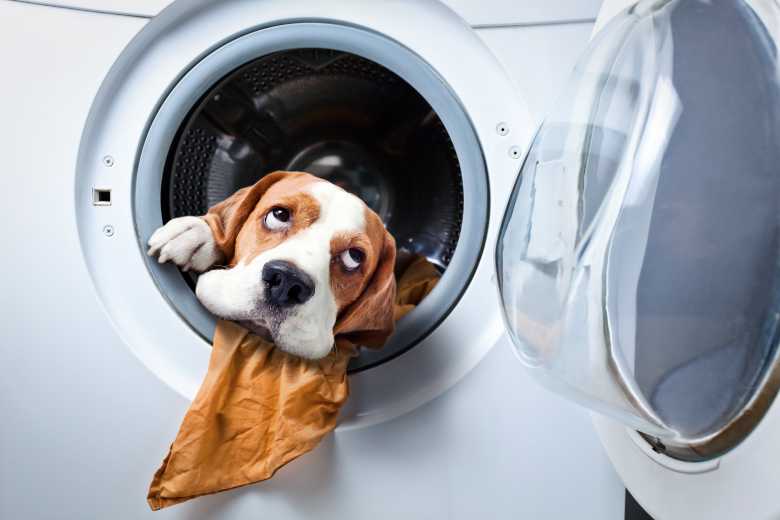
[
  {"x": 278, "y": 218},
  {"x": 352, "y": 258}
]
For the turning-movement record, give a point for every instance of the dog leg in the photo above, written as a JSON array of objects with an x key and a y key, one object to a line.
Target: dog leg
[{"x": 187, "y": 242}]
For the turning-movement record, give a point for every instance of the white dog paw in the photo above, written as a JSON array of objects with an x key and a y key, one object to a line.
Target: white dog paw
[{"x": 187, "y": 242}]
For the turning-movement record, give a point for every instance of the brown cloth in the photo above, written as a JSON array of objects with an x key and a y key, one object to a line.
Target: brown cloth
[
  {"x": 259, "y": 408},
  {"x": 416, "y": 281}
]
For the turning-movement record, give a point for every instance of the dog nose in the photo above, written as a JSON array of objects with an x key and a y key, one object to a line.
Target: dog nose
[{"x": 285, "y": 284}]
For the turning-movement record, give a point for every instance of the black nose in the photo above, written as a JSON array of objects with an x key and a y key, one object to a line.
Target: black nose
[{"x": 285, "y": 284}]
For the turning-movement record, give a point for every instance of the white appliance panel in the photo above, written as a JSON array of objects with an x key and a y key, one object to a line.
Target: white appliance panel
[{"x": 86, "y": 424}]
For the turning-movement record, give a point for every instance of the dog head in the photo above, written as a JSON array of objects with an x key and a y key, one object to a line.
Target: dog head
[{"x": 306, "y": 261}]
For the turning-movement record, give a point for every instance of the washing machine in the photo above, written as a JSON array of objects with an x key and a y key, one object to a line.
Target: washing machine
[
  {"x": 635, "y": 235},
  {"x": 119, "y": 115},
  {"x": 638, "y": 258}
]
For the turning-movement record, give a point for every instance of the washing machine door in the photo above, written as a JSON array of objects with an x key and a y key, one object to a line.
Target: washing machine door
[{"x": 638, "y": 256}]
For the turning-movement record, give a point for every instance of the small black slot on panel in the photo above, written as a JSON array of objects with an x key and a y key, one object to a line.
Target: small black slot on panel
[{"x": 101, "y": 197}]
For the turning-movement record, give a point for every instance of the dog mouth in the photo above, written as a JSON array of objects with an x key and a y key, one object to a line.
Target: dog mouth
[
  {"x": 258, "y": 328},
  {"x": 287, "y": 331},
  {"x": 264, "y": 323}
]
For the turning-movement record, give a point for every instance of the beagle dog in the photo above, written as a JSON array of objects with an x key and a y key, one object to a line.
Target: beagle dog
[{"x": 294, "y": 259}]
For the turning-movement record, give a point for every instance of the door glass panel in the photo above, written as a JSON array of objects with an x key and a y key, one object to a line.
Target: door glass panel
[{"x": 638, "y": 256}]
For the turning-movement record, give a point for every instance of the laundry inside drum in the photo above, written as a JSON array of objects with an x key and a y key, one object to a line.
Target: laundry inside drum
[{"x": 343, "y": 118}]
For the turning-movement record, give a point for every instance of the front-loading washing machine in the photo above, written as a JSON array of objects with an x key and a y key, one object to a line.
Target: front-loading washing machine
[
  {"x": 121, "y": 115},
  {"x": 636, "y": 260}
]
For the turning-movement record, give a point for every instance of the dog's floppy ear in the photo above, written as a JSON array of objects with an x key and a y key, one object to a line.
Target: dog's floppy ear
[
  {"x": 226, "y": 218},
  {"x": 368, "y": 321}
]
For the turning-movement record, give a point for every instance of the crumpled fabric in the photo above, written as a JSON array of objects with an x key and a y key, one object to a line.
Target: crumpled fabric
[
  {"x": 259, "y": 408},
  {"x": 416, "y": 281}
]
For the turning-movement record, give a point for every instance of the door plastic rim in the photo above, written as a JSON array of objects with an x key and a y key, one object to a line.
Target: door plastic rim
[
  {"x": 577, "y": 234},
  {"x": 744, "y": 477}
]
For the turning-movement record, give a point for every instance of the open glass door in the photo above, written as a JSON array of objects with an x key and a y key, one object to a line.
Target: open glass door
[{"x": 639, "y": 256}]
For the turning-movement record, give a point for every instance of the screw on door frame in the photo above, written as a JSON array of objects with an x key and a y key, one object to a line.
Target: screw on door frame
[
  {"x": 502, "y": 128},
  {"x": 108, "y": 161},
  {"x": 514, "y": 152},
  {"x": 108, "y": 230}
]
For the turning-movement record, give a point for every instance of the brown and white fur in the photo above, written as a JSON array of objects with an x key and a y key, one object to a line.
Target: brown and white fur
[{"x": 324, "y": 267}]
